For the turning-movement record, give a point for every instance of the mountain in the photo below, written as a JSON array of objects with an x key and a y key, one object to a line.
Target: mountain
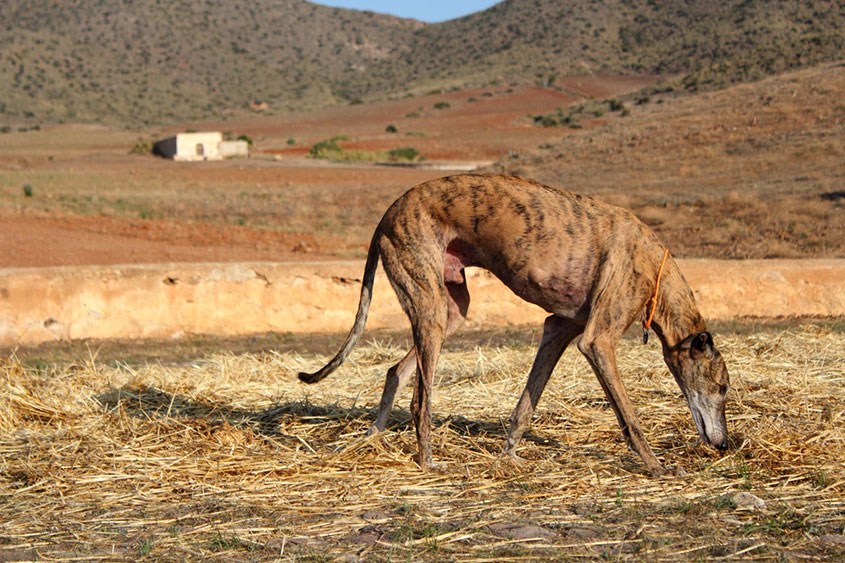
[
  {"x": 165, "y": 60},
  {"x": 154, "y": 61}
]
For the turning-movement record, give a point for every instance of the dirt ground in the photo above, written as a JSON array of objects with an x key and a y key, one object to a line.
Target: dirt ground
[
  {"x": 752, "y": 172},
  {"x": 92, "y": 203}
]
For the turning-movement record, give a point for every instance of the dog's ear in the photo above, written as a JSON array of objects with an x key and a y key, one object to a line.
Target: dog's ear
[
  {"x": 697, "y": 344},
  {"x": 702, "y": 343}
]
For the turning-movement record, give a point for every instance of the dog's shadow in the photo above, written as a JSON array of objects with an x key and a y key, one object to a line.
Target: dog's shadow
[{"x": 151, "y": 403}]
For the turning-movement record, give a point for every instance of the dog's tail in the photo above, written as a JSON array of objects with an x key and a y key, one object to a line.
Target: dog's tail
[{"x": 360, "y": 317}]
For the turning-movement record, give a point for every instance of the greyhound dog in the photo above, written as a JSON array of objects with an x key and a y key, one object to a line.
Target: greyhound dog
[{"x": 593, "y": 266}]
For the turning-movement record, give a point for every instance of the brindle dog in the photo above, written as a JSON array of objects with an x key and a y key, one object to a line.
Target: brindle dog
[{"x": 591, "y": 265}]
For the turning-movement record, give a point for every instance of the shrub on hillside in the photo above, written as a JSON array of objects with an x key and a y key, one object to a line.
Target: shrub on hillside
[{"x": 615, "y": 105}]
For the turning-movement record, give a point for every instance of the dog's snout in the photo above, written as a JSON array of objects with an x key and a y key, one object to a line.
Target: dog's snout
[{"x": 722, "y": 446}]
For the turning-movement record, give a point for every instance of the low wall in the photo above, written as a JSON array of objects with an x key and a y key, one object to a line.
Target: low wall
[{"x": 172, "y": 300}]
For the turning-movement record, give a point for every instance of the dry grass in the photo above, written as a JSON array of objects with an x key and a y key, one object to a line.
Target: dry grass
[{"x": 229, "y": 457}]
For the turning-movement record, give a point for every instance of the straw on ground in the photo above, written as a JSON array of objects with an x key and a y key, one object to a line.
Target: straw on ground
[{"x": 229, "y": 457}]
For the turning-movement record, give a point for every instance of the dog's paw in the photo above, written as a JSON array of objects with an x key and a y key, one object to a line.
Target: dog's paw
[
  {"x": 663, "y": 471},
  {"x": 509, "y": 455},
  {"x": 429, "y": 466},
  {"x": 659, "y": 471}
]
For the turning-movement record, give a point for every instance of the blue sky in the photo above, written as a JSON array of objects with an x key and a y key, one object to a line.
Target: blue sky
[{"x": 427, "y": 11}]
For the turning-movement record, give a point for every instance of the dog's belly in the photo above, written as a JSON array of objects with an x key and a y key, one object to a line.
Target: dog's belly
[
  {"x": 556, "y": 292},
  {"x": 546, "y": 283}
]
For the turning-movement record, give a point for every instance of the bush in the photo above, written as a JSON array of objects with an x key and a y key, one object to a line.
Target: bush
[
  {"x": 27, "y": 190},
  {"x": 245, "y": 138},
  {"x": 391, "y": 129},
  {"x": 142, "y": 147},
  {"x": 328, "y": 148},
  {"x": 291, "y": 141},
  {"x": 548, "y": 121},
  {"x": 442, "y": 105},
  {"x": 403, "y": 154},
  {"x": 615, "y": 105}
]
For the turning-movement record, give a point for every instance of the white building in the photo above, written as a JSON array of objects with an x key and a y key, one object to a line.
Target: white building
[{"x": 200, "y": 146}]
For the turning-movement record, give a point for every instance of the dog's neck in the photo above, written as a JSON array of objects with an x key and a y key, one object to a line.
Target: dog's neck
[{"x": 677, "y": 315}]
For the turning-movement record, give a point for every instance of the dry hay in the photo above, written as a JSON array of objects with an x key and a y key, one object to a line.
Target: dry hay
[{"x": 229, "y": 457}]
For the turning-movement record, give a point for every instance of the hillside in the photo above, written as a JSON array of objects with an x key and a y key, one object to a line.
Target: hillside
[
  {"x": 717, "y": 43},
  {"x": 146, "y": 61},
  {"x": 752, "y": 171},
  {"x": 178, "y": 60}
]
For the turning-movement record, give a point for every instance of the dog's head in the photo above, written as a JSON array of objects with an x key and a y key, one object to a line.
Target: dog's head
[{"x": 703, "y": 378}]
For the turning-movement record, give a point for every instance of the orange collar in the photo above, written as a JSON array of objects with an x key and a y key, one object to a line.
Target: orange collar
[{"x": 653, "y": 299}]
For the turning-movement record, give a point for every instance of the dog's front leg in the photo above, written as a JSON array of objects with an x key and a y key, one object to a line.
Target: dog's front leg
[
  {"x": 557, "y": 334},
  {"x": 599, "y": 352}
]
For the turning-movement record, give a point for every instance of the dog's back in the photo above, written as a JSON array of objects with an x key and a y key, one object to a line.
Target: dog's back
[{"x": 548, "y": 245}]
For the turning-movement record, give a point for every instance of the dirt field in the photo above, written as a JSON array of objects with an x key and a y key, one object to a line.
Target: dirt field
[
  {"x": 93, "y": 203},
  {"x": 683, "y": 165}
]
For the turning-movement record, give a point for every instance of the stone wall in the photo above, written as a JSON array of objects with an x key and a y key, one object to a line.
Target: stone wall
[{"x": 174, "y": 300}]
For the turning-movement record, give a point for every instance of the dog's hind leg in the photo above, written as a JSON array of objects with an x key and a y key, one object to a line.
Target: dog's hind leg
[
  {"x": 557, "y": 334},
  {"x": 416, "y": 274},
  {"x": 397, "y": 377},
  {"x": 399, "y": 374}
]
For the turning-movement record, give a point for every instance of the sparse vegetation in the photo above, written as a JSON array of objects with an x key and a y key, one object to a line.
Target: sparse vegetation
[
  {"x": 61, "y": 62},
  {"x": 330, "y": 149},
  {"x": 442, "y": 105},
  {"x": 776, "y": 213}
]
